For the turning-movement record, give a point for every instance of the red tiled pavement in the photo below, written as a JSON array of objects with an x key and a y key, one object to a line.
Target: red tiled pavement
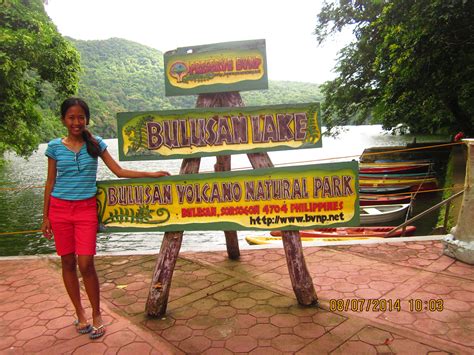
[{"x": 220, "y": 306}]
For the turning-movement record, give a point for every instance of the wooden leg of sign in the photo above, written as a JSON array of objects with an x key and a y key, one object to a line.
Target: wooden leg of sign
[
  {"x": 300, "y": 278},
  {"x": 260, "y": 160},
  {"x": 224, "y": 99},
  {"x": 161, "y": 281},
  {"x": 231, "y": 240},
  {"x": 299, "y": 275},
  {"x": 220, "y": 99}
]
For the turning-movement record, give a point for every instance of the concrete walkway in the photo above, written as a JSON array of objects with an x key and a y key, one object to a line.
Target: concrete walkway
[{"x": 218, "y": 306}]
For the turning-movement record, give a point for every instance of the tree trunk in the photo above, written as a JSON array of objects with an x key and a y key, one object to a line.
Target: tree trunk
[{"x": 462, "y": 117}]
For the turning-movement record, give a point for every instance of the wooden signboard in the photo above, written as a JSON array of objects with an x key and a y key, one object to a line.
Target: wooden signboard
[
  {"x": 219, "y": 67},
  {"x": 288, "y": 198},
  {"x": 217, "y": 131}
]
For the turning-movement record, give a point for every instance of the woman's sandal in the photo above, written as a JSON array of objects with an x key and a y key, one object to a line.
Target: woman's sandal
[
  {"x": 82, "y": 328},
  {"x": 97, "y": 332}
]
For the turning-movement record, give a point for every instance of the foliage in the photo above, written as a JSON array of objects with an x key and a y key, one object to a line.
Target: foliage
[
  {"x": 120, "y": 75},
  {"x": 412, "y": 63},
  {"x": 453, "y": 182},
  {"x": 116, "y": 75},
  {"x": 35, "y": 61},
  {"x": 283, "y": 92}
]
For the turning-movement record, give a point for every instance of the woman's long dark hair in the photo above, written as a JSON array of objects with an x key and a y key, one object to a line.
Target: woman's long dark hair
[{"x": 92, "y": 145}]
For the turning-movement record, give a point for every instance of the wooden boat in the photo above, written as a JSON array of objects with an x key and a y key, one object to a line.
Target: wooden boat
[
  {"x": 384, "y": 189},
  {"x": 395, "y": 176},
  {"x": 415, "y": 184},
  {"x": 396, "y": 167},
  {"x": 396, "y": 181},
  {"x": 382, "y": 213},
  {"x": 401, "y": 161},
  {"x": 259, "y": 240},
  {"x": 350, "y": 232},
  {"x": 372, "y": 199}
]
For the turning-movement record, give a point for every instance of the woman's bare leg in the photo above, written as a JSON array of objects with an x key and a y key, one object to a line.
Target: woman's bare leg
[
  {"x": 91, "y": 283},
  {"x": 71, "y": 281}
]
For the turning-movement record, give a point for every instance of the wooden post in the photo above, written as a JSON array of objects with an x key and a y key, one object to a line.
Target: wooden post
[
  {"x": 231, "y": 240},
  {"x": 157, "y": 301},
  {"x": 223, "y": 162},
  {"x": 300, "y": 278}
]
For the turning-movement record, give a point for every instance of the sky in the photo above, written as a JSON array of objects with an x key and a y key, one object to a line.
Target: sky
[{"x": 286, "y": 25}]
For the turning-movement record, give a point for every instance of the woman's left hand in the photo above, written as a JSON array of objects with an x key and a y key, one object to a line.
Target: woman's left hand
[{"x": 46, "y": 229}]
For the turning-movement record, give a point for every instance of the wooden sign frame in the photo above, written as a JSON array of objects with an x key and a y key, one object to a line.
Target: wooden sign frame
[{"x": 301, "y": 280}]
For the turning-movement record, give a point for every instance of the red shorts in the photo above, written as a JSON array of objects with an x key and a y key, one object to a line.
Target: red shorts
[{"x": 74, "y": 225}]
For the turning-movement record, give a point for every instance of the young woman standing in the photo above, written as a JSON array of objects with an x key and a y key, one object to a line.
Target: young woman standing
[{"x": 70, "y": 211}]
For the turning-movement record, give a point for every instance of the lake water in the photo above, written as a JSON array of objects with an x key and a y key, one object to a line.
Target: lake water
[{"x": 21, "y": 194}]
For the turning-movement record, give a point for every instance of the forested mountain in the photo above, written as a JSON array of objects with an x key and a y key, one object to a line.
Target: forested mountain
[{"x": 120, "y": 75}]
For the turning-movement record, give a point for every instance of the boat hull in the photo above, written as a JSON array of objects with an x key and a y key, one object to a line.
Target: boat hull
[
  {"x": 382, "y": 213},
  {"x": 365, "y": 176},
  {"x": 350, "y": 232},
  {"x": 384, "y": 189},
  {"x": 414, "y": 184},
  {"x": 390, "y": 168},
  {"x": 371, "y": 200},
  {"x": 278, "y": 241}
]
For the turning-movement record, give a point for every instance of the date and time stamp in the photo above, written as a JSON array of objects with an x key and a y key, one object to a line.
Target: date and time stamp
[{"x": 385, "y": 305}]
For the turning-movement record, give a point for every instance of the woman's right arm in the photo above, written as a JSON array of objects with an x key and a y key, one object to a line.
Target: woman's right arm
[{"x": 50, "y": 180}]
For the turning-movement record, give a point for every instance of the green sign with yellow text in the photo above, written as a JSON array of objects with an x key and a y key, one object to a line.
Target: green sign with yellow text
[
  {"x": 217, "y": 131},
  {"x": 219, "y": 67},
  {"x": 288, "y": 198}
]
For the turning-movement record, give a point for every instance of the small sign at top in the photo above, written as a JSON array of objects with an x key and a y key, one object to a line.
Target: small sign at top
[{"x": 219, "y": 67}]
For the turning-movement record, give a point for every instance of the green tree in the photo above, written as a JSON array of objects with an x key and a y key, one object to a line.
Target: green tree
[
  {"x": 411, "y": 63},
  {"x": 120, "y": 75},
  {"x": 35, "y": 61}
]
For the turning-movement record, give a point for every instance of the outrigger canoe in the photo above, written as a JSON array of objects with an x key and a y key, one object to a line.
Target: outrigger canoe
[
  {"x": 277, "y": 240},
  {"x": 350, "y": 232},
  {"x": 384, "y": 189},
  {"x": 401, "y": 167},
  {"x": 382, "y": 213},
  {"x": 415, "y": 184},
  {"x": 396, "y": 176},
  {"x": 373, "y": 199}
]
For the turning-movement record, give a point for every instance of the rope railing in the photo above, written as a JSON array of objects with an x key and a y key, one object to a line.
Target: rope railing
[
  {"x": 292, "y": 163},
  {"x": 22, "y": 188},
  {"x": 461, "y": 187},
  {"x": 21, "y": 232}
]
